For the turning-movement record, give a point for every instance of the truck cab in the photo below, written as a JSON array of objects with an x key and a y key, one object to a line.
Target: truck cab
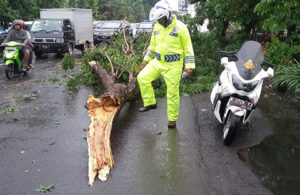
[
  {"x": 52, "y": 36},
  {"x": 60, "y": 30}
]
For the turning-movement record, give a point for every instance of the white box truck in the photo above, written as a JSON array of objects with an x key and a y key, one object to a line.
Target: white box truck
[{"x": 62, "y": 30}]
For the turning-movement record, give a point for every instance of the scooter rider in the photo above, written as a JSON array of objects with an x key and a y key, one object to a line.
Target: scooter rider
[
  {"x": 20, "y": 35},
  {"x": 170, "y": 46}
]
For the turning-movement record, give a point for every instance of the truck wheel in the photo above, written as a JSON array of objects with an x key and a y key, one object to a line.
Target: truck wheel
[
  {"x": 84, "y": 47},
  {"x": 70, "y": 49},
  {"x": 232, "y": 124}
]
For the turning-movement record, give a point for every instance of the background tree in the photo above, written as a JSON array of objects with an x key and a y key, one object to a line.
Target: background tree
[
  {"x": 222, "y": 13},
  {"x": 133, "y": 10},
  {"x": 148, "y": 4},
  {"x": 278, "y": 15}
]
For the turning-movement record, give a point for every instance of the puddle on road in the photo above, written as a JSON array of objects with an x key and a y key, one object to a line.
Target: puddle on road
[{"x": 276, "y": 160}]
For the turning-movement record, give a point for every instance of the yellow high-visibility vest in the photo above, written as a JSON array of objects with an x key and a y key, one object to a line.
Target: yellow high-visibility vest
[{"x": 171, "y": 44}]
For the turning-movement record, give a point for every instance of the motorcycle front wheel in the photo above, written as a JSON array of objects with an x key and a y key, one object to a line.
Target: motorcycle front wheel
[
  {"x": 9, "y": 71},
  {"x": 230, "y": 128}
]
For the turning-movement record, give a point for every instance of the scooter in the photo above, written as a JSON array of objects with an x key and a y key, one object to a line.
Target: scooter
[
  {"x": 12, "y": 59},
  {"x": 235, "y": 96}
]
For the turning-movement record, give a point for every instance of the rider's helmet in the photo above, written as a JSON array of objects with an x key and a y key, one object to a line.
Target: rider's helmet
[
  {"x": 16, "y": 22},
  {"x": 22, "y": 23},
  {"x": 160, "y": 10}
]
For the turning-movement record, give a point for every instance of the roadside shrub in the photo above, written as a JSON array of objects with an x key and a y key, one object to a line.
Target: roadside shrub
[
  {"x": 206, "y": 53},
  {"x": 288, "y": 76},
  {"x": 281, "y": 53}
]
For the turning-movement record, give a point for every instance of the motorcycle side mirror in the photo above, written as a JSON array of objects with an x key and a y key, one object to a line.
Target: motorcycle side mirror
[
  {"x": 270, "y": 72},
  {"x": 224, "y": 61}
]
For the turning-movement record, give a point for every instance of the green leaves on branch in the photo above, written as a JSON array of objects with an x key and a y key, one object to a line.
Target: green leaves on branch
[
  {"x": 279, "y": 14},
  {"x": 123, "y": 57},
  {"x": 45, "y": 188},
  {"x": 8, "y": 110},
  {"x": 68, "y": 62}
]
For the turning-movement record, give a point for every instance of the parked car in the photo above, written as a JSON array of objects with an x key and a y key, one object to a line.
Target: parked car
[
  {"x": 28, "y": 25},
  {"x": 97, "y": 24},
  {"x": 107, "y": 31},
  {"x": 2, "y": 30},
  {"x": 3, "y": 35},
  {"x": 62, "y": 30},
  {"x": 133, "y": 28},
  {"x": 144, "y": 27}
]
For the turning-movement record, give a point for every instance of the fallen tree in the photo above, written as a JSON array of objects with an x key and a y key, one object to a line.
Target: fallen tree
[
  {"x": 102, "y": 112},
  {"x": 112, "y": 72}
]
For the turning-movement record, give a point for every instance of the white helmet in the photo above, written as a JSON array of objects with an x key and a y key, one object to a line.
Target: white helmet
[{"x": 160, "y": 10}]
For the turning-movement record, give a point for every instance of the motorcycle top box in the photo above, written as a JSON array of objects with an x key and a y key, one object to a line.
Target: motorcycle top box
[{"x": 236, "y": 94}]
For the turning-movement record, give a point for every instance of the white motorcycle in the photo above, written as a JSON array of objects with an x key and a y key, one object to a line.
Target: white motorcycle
[{"x": 236, "y": 94}]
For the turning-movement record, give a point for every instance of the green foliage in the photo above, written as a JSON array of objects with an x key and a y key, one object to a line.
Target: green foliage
[
  {"x": 206, "y": 53},
  {"x": 85, "y": 77},
  {"x": 288, "y": 76},
  {"x": 123, "y": 62},
  {"x": 68, "y": 62},
  {"x": 8, "y": 110},
  {"x": 281, "y": 53},
  {"x": 54, "y": 80},
  {"x": 45, "y": 188},
  {"x": 220, "y": 13},
  {"x": 234, "y": 42},
  {"x": 202, "y": 84},
  {"x": 279, "y": 14},
  {"x": 128, "y": 58},
  {"x": 207, "y": 67},
  {"x": 133, "y": 10},
  {"x": 188, "y": 86},
  {"x": 26, "y": 10}
]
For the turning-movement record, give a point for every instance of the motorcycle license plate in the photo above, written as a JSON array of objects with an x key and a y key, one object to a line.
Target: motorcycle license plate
[
  {"x": 240, "y": 103},
  {"x": 45, "y": 46}
]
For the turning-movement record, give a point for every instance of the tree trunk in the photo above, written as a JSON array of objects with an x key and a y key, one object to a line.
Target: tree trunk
[{"x": 102, "y": 112}]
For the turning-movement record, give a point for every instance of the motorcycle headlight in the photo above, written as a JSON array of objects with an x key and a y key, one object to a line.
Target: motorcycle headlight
[
  {"x": 10, "y": 55},
  {"x": 59, "y": 40},
  {"x": 240, "y": 85}
]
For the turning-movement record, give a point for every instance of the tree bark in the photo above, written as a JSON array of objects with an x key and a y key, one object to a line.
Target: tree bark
[{"x": 102, "y": 112}]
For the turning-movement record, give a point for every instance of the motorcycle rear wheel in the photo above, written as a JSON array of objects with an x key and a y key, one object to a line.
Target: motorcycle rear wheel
[{"x": 230, "y": 128}]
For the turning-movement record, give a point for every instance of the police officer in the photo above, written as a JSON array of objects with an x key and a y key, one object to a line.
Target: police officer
[{"x": 169, "y": 48}]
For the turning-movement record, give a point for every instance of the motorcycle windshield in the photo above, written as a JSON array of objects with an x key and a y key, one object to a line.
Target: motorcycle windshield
[{"x": 250, "y": 57}]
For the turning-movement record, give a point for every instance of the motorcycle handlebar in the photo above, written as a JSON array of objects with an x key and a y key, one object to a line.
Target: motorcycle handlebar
[
  {"x": 230, "y": 55},
  {"x": 268, "y": 64},
  {"x": 227, "y": 53}
]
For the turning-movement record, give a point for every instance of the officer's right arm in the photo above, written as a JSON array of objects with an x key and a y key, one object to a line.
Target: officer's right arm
[{"x": 151, "y": 49}]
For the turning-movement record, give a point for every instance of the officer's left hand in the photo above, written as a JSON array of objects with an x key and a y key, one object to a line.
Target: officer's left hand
[
  {"x": 143, "y": 64},
  {"x": 22, "y": 45},
  {"x": 188, "y": 71}
]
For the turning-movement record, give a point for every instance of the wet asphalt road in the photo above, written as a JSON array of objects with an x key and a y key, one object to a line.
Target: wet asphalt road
[{"x": 44, "y": 142}]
